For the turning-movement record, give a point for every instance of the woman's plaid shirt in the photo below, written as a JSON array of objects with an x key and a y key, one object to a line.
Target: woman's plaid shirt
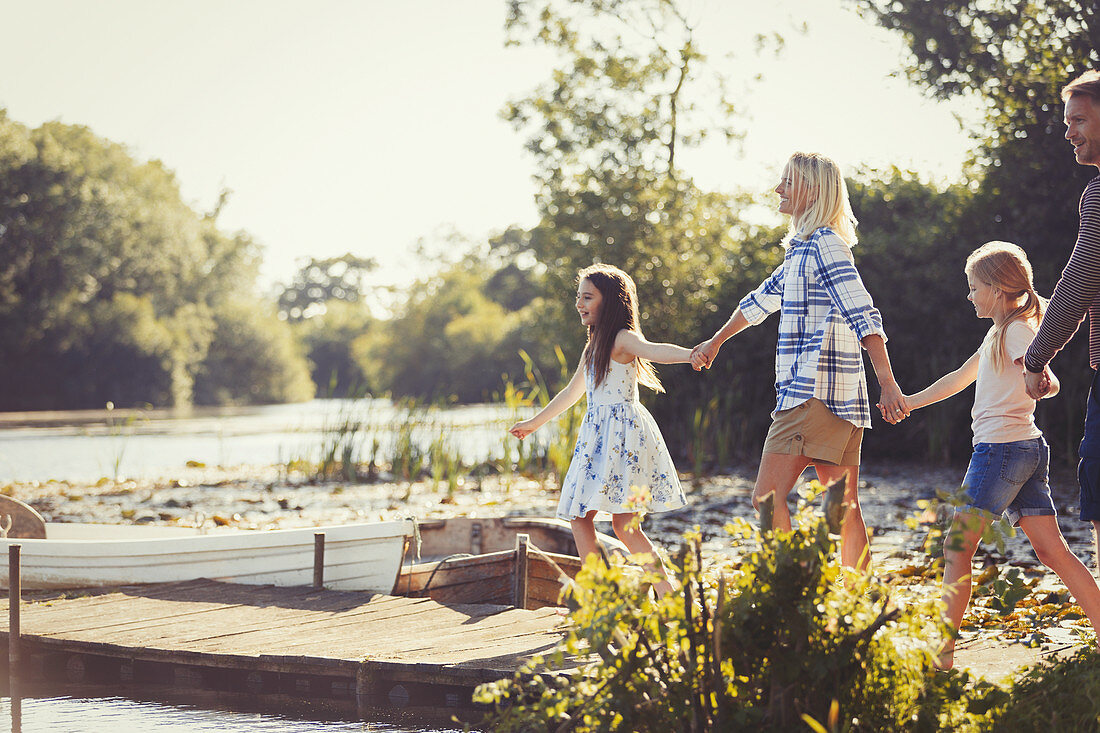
[{"x": 824, "y": 313}]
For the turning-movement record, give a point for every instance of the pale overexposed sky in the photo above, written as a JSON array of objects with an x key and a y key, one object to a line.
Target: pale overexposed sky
[{"x": 364, "y": 125}]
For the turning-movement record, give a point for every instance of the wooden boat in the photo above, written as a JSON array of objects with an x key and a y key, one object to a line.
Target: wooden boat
[
  {"x": 508, "y": 560},
  {"x": 71, "y": 555},
  {"x": 519, "y": 561}
]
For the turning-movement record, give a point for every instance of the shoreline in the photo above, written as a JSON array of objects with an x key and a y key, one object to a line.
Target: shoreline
[{"x": 269, "y": 497}]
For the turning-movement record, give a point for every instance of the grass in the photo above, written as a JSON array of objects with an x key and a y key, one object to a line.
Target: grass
[
  {"x": 121, "y": 430},
  {"x": 416, "y": 441}
]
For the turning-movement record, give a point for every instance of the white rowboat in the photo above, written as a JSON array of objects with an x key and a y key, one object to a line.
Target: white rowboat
[{"x": 363, "y": 557}]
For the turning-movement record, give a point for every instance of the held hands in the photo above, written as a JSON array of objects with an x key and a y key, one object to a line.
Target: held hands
[
  {"x": 1037, "y": 384},
  {"x": 893, "y": 405},
  {"x": 702, "y": 356}
]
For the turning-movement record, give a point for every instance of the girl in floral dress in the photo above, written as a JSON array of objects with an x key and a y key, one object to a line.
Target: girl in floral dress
[{"x": 620, "y": 464}]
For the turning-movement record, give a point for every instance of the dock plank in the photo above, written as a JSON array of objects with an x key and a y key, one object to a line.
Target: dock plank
[
  {"x": 212, "y": 624},
  {"x": 362, "y": 622},
  {"x": 352, "y": 634}
]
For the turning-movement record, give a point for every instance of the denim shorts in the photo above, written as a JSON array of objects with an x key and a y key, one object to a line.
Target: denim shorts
[
  {"x": 1010, "y": 479},
  {"x": 1088, "y": 470}
]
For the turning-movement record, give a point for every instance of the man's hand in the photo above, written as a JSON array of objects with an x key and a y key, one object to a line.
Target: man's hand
[{"x": 1037, "y": 384}]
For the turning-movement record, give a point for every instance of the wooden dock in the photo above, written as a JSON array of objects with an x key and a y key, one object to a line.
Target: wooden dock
[{"x": 373, "y": 651}]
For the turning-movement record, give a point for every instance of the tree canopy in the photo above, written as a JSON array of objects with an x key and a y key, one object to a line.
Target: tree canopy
[
  {"x": 1012, "y": 57},
  {"x": 320, "y": 281},
  {"x": 110, "y": 284}
]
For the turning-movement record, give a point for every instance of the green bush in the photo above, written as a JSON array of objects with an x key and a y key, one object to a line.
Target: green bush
[
  {"x": 783, "y": 640},
  {"x": 1059, "y": 695}
]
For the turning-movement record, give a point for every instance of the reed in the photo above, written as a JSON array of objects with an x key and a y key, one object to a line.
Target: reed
[
  {"x": 343, "y": 437},
  {"x": 416, "y": 442},
  {"x": 548, "y": 452},
  {"x": 444, "y": 462},
  {"x": 121, "y": 429},
  {"x": 408, "y": 459}
]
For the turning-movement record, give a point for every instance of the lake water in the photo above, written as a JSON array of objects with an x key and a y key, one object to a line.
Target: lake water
[
  {"x": 88, "y": 444},
  {"x": 66, "y": 714}
]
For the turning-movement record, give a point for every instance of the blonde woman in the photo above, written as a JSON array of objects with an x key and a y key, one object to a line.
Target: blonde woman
[{"x": 826, "y": 316}]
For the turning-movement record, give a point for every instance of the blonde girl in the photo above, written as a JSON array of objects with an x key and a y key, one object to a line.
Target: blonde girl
[
  {"x": 826, "y": 317},
  {"x": 620, "y": 464},
  {"x": 1008, "y": 472}
]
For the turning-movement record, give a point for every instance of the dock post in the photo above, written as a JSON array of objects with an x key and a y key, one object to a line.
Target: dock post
[
  {"x": 14, "y": 596},
  {"x": 366, "y": 693},
  {"x": 318, "y": 559},
  {"x": 522, "y": 541}
]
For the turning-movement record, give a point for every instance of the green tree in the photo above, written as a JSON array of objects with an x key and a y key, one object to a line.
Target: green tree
[
  {"x": 253, "y": 358},
  {"x": 326, "y": 303},
  {"x": 319, "y": 282},
  {"x": 914, "y": 240},
  {"x": 329, "y": 339},
  {"x": 449, "y": 339},
  {"x": 110, "y": 284},
  {"x": 1012, "y": 57},
  {"x": 604, "y": 132}
]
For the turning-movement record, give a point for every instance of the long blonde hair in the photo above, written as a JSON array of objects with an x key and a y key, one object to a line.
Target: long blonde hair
[
  {"x": 618, "y": 310},
  {"x": 1004, "y": 267},
  {"x": 817, "y": 179}
]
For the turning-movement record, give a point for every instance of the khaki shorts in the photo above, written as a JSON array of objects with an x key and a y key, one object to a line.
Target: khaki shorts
[{"x": 812, "y": 430}]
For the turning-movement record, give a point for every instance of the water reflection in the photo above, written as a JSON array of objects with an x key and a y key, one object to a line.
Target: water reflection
[
  {"x": 85, "y": 445},
  {"x": 64, "y": 714},
  {"x": 16, "y": 703}
]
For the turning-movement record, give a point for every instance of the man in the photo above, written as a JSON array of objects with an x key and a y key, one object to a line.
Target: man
[{"x": 1078, "y": 291}]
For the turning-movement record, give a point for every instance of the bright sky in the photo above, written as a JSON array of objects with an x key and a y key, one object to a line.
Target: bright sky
[{"x": 364, "y": 125}]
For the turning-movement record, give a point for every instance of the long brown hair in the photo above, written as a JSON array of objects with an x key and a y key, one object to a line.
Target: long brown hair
[
  {"x": 1004, "y": 266},
  {"x": 618, "y": 310}
]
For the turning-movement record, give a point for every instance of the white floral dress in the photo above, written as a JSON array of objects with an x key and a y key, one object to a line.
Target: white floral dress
[{"x": 620, "y": 463}]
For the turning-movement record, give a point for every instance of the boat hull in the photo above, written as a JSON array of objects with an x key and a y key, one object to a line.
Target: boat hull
[
  {"x": 363, "y": 557},
  {"x": 478, "y": 560}
]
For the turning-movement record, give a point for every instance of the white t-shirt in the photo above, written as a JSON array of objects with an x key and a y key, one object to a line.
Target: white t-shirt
[{"x": 1003, "y": 413}]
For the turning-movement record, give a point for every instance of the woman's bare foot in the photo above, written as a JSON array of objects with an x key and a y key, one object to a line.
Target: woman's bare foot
[
  {"x": 945, "y": 657},
  {"x": 663, "y": 587}
]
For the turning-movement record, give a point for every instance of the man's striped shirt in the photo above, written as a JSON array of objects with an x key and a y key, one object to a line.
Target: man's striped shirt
[
  {"x": 1077, "y": 292},
  {"x": 824, "y": 312}
]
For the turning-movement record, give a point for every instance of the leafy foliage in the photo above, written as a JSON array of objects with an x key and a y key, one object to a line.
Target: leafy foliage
[
  {"x": 782, "y": 638},
  {"x": 1012, "y": 57},
  {"x": 319, "y": 282},
  {"x": 110, "y": 285},
  {"x": 330, "y": 340},
  {"x": 450, "y": 339},
  {"x": 253, "y": 359},
  {"x": 1060, "y": 694}
]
